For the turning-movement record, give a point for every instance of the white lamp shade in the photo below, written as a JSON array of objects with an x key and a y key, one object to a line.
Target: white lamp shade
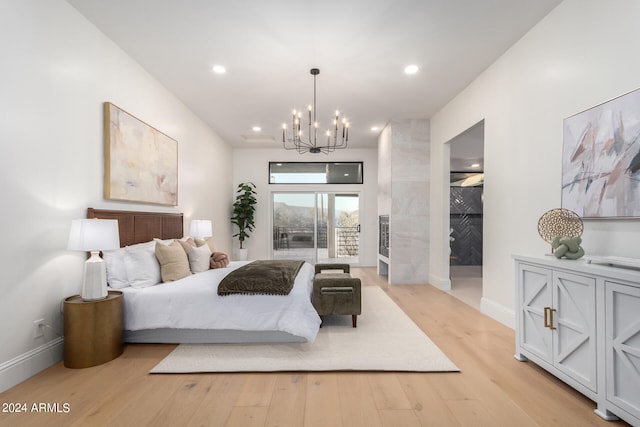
[
  {"x": 93, "y": 235},
  {"x": 201, "y": 228}
]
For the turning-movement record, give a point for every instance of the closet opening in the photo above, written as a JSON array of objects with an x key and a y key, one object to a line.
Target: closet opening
[{"x": 466, "y": 214}]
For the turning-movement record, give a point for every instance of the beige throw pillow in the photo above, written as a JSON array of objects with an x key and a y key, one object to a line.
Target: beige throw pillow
[
  {"x": 187, "y": 244},
  {"x": 174, "y": 264}
]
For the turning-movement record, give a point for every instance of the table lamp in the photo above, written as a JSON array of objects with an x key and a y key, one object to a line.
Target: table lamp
[
  {"x": 201, "y": 228},
  {"x": 94, "y": 235}
]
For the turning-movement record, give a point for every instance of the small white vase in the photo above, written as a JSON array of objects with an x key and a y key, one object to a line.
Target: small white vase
[{"x": 243, "y": 254}]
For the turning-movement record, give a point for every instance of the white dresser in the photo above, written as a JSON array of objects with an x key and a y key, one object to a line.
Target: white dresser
[{"x": 581, "y": 322}]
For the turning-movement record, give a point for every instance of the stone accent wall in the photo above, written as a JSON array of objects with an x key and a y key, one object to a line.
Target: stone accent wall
[{"x": 403, "y": 194}]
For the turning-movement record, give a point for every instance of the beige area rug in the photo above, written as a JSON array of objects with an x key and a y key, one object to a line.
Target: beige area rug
[{"x": 386, "y": 339}]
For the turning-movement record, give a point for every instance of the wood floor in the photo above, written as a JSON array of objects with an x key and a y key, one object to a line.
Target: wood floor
[{"x": 492, "y": 389}]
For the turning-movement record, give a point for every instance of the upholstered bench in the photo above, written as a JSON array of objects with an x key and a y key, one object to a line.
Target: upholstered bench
[{"x": 335, "y": 292}]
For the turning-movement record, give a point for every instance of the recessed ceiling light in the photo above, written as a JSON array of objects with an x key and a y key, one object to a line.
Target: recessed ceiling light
[
  {"x": 256, "y": 128},
  {"x": 375, "y": 128},
  {"x": 411, "y": 69},
  {"x": 475, "y": 165},
  {"x": 219, "y": 69}
]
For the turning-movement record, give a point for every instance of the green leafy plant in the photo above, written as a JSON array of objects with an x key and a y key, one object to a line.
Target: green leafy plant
[{"x": 244, "y": 210}]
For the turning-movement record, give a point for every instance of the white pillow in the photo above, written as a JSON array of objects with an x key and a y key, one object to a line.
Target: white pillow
[
  {"x": 142, "y": 266},
  {"x": 208, "y": 241},
  {"x": 199, "y": 258},
  {"x": 116, "y": 271}
]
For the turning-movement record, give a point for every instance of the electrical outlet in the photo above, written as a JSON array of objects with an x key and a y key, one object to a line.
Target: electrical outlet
[{"x": 38, "y": 328}]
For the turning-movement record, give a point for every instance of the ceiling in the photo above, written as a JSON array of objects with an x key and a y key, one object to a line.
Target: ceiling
[{"x": 268, "y": 47}]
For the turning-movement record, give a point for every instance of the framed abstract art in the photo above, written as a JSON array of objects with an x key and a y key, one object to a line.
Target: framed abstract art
[
  {"x": 141, "y": 163},
  {"x": 601, "y": 159}
]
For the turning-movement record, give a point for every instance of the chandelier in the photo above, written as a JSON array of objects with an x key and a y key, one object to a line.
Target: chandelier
[{"x": 311, "y": 143}]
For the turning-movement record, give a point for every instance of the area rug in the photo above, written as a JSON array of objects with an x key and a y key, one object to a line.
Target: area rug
[{"x": 386, "y": 339}]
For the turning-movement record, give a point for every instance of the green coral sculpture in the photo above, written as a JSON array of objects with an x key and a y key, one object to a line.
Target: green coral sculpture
[{"x": 568, "y": 247}]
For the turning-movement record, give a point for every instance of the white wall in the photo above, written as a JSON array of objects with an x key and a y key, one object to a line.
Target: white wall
[
  {"x": 252, "y": 165},
  {"x": 583, "y": 53},
  {"x": 57, "y": 71}
]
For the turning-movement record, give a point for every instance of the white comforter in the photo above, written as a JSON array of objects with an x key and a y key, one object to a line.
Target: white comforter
[{"x": 194, "y": 303}]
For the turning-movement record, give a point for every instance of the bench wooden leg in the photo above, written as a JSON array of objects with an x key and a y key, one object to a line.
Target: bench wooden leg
[{"x": 354, "y": 320}]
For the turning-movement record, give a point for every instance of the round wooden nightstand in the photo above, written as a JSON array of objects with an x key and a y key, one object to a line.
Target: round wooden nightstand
[{"x": 92, "y": 330}]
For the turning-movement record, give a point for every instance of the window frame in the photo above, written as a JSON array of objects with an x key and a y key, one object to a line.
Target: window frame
[{"x": 358, "y": 181}]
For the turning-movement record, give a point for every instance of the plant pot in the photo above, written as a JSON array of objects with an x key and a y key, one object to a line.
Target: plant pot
[{"x": 243, "y": 254}]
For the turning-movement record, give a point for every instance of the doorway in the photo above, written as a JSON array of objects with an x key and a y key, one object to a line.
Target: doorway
[
  {"x": 466, "y": 215},
  {"x": 318, "y": 227}
]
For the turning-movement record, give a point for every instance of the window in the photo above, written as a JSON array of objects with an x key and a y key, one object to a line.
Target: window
[
  {"x": 315, "y": 172},
  {"x": 316, "y": 226}
]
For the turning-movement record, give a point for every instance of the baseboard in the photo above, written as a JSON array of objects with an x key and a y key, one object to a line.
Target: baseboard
[
  {"x": 498, "y": 312},
  {"x": 442, "y": 283},
  {"x": 28, "y": 364}
]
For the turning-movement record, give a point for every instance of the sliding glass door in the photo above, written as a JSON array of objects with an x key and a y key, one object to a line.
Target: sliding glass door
[{"x": 316, "y": 226}]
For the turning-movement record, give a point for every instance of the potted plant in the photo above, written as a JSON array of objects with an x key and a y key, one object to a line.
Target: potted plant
[{"x": 243, "y": 212}]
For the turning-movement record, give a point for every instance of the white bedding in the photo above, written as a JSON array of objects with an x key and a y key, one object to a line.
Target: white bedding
[{"x": 194, "y": 303}]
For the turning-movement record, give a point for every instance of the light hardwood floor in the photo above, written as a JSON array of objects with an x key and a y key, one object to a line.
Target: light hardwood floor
[
  {"x": 492, "y": 389},
  {"x": 466, "y": 284}
]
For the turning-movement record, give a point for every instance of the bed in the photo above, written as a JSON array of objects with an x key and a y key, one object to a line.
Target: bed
[{"x": 189, "y": 310}]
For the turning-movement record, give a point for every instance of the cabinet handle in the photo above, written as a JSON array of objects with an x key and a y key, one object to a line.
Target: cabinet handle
[
  {"x": 551, "y": 311},
  {"x": 546, "y": 317}
]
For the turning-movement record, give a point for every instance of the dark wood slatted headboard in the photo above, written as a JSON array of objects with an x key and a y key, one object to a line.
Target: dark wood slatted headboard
[{"x": 139, "y": 227}]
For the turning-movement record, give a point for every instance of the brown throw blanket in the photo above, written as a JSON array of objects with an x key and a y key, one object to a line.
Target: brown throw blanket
[{"x": 271, "y": 277}]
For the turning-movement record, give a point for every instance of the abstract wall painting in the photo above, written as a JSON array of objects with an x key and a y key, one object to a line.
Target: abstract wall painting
[
  {"x": 601, "y": 159},
  {"x": 141, "y": 163}
]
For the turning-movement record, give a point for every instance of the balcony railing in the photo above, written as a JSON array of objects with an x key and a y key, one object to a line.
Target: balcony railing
[{"x": 347, "y": 239}]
